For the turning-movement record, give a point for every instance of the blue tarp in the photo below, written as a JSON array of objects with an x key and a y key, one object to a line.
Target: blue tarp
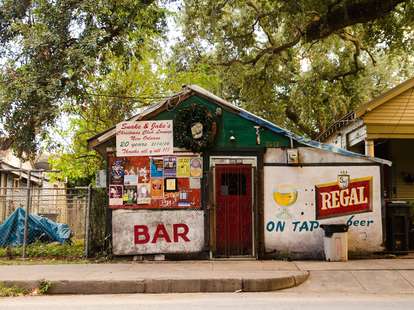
[{"x": 40, "y": 228}]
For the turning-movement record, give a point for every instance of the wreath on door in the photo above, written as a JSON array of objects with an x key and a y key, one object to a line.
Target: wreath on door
[{"x": 195, "y": 128}]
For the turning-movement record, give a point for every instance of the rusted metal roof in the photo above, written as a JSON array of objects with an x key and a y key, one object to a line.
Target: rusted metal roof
[{"x": 189, "y": 90}]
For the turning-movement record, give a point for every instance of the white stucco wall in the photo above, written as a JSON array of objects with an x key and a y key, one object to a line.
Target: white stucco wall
[
  {"x": 294, "y": 229},
  {"x": 309, "y": 155},
  {"x": 165, "y": 241}
]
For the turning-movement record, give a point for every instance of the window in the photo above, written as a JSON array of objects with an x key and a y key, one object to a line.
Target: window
[
  {"x": 233, "y": 184},
  {"x": 16, "y": 184}
]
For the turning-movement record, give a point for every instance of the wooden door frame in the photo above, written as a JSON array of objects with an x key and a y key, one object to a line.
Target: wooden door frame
[{"x": 233, "y": 160}]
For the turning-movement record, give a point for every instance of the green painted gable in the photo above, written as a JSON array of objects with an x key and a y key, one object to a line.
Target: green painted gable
[{"x": 230, "y": 123}]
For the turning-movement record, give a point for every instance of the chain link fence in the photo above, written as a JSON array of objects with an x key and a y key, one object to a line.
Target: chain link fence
[{"x": 56, "y": 203}]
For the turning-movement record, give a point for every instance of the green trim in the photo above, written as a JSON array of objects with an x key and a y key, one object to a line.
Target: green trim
[{"x": 231, "y": 124}]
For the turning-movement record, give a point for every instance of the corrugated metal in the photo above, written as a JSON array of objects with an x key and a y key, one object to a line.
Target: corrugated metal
[
  {"x": 309, "y": 142},
  {"x": 279, "y": 130},
  {"x": 242, "y": 113}
]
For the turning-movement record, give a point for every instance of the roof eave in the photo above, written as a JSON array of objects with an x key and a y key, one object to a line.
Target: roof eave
[{"x": 388, "y": 95}]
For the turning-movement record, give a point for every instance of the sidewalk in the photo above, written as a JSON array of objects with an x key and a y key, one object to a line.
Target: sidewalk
[
  {"x": 356, "y": 276},
  {"x": 389, "y": 276},
  {"x": 157, "y": 277}
]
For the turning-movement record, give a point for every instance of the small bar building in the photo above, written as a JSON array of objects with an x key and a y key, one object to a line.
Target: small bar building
[
  {"x": 384, "y": 127},
  {"x": 196, "y": 176}
]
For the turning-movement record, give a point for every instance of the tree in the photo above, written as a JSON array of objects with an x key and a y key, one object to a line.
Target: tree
[
  {"x": 300, "y": 63},
  {"x": 114, "y": 97},
  {"x": 51, "y": 47}
]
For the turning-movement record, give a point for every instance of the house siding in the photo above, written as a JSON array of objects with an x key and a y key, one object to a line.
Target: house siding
[{"x": 393, "y": 119}]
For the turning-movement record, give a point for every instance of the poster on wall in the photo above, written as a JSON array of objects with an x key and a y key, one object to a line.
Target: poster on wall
[
  {"x": 196, "y": 167},
  {"x": 116, "y": 195},
  {"x": 117, "y": 172},
  {"x": 130, "y": 195},
  {"x": 170, "y": 184},
  {"x": 183, "y": 167},
  {"x": 144, "y": 193},
  {"x": 100, "y": 178},
  {"x": 170, "y": 166},
  {"x": 144, "y": 138},
  {"x": 130, "y": 179},
  {"x": 143, "y": 168},
  {"x": 157, "y": 167},
  {"x": 195, "y": 183},
  {"x": 153, "y": 182},
  {"x": 157, "y": 188}
]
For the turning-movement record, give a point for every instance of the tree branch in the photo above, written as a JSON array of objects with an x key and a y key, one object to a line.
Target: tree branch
[
  {"x": 351, "y": 12},
  {"x": 269, "y": 50}
]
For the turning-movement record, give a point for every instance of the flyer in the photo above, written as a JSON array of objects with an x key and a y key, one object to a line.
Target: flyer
[
  {"x": 157, "y": 167},
  {"x": 130, "y": 179},
  {"x": 130, "y": 195},
  {"x": 170, "y": 184},
  {"x": 157, "y": 188},
  {"x": 115, "y": 195},
  {"x": 144, "y": 193},
  {"x": 196, "y": 167},
  {"x": 183, "y": 167},
  {"x": 117, "y": 172},
  {"x": 195, "y": 183},
  {"x": 170, "y": 166}
]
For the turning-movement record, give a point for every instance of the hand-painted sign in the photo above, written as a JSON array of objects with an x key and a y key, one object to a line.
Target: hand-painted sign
[
  {"x": 152, "y": 232},
  {"x": 291, "y": 200},
  {"x": 338, "y": 198},
  {"x": 144, "y": 138}
]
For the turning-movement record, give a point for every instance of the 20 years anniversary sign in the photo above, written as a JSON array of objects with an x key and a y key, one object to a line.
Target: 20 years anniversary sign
[{"x": 144, "y": 138}]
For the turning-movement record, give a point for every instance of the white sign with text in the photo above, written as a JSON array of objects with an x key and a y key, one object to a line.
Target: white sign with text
[
  {"x": 153, "y": 232},
  {"x": 144, "y": 138}
]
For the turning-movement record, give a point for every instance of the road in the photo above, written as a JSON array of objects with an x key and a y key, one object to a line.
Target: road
[{"x": 258, "y": 301}]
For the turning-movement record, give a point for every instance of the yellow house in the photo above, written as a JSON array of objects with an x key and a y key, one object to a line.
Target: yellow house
[{"x": 384, "y": 127}]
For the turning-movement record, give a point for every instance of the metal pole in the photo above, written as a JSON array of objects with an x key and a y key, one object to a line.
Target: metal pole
[
  {"x": 87, "y": 213},
  {"x": 26, "y": 216}
]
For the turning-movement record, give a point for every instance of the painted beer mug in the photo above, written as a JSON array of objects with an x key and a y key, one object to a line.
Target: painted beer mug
[{"x": 285, "y": 195}]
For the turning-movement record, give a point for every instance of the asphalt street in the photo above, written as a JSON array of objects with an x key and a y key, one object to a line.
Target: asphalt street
[{"x": 258, "y": 301}]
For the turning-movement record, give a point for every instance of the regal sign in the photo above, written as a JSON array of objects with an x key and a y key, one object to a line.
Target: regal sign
[
  {"x": 346, "y": 196},
  {"x": 144, "y": 138}
]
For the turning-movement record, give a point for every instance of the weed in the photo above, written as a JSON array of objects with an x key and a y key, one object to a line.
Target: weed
[
  {"x": 9, "y": 291},
  {"x": 44, "y": 286}
]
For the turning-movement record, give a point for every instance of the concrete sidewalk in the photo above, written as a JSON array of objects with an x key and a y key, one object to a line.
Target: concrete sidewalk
[
  {"x": 356, "y": 276},
  {"x": 157, "y": 277},
  {"x": 386, "y": 276}
]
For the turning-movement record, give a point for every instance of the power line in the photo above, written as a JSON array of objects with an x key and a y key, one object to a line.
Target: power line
[{"x": 130, "y": 97}]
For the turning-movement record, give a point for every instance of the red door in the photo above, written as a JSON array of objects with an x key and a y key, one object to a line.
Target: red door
[{"x": 233, "y": 210}]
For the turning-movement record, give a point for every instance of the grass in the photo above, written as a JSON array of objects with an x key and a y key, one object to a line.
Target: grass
[
  {"x": 13, "y": 291},
  {"x": 44, "y": 253},
  {"x": 6, "y": 291}
]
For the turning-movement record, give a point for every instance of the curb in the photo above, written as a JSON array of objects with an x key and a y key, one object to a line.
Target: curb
[{"x": 162, "y": 286}]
